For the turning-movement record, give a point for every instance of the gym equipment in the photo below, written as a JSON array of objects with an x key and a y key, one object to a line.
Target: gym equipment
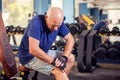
[
  {"x": 67, "y": 24},
  {"x": 60, "y": 42},
  {"x": 24, "y": 73},
  {"x": 73, "y": 29},
  {"x": 10, "y": 29},
  {"x": 82, "y": 50},
  {"x": 113, "y": 51},
  {"x": 6, "y": 54},
  {"x": 15, "y": 48},
  {"x": 103, "y": 31},
  {"x": 92, "y": 41},
  {"x": 22, "y": 30},
  {"x": 115, "y": 31},
  {"x": 53, "y": 47},
  {"x": 88, "y": 21},
  {"x": 62, "y": 48},
  {"x": 102, "y": 51},
  {"x": 77, "y": 28},
  {"x": 18, "y": 29}
]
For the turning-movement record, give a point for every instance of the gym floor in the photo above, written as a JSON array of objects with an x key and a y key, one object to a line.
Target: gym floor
[{"x": 97, "y": 74}]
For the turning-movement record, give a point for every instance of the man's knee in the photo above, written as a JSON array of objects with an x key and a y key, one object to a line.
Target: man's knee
[
  {"x": 56, "y": 71},
  {"x": 59, "y": 74},
  {"x": 71, "y": 58}
]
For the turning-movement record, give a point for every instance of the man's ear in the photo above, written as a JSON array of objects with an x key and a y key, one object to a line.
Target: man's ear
[{"x": 46, "y": 16}]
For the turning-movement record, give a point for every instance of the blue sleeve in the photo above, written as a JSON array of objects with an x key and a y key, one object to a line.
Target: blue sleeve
[
  {"x": 99, "y": 25},
  {"x": 63, "y": 30},
  {"x": 34, "y": 29}
]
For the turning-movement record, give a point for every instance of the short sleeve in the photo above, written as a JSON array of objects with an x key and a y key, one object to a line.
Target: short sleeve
[
  {"x": 34, "y": 29},
  {"x": 63, "y": 30}
]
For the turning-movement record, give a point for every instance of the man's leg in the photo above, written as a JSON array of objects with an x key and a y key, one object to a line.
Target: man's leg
[
  {"x": 59, "y": 74},
  {"x": 70, "y": 63},
  {"x": 40, "y": 66}
]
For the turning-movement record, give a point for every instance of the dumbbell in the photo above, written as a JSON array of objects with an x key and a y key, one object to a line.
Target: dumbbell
[
  {"x": 7, "y": 29},
  {"x": 113, "y": 51},
  {"x": 103, "y": 31},
  {"x": 60, "y": 42},
  {"x": 18, "y": 30},
  {"x": 22, "y": 30},
  {"x": 62, "y": 48},
  {"x": 115, "y": 31},
  {"x": 10, "y": 30},
  {"x": 53, "y": 47},
  {"x": 73, "y": 28},
  {"x": 15, "y": 48},
  {"x": 67, "y": 24},
  {"x": 101, "y": 51},
  {"x": 77, "y": 28},
  {"x": 3, "y": 74}
]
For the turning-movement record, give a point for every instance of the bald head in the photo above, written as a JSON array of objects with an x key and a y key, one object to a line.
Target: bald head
[
  {"x": 54, "y": 18},
  {"x": 55, "y": 13}
]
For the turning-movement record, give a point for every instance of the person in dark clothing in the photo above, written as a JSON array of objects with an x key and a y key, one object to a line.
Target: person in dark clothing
[{"x": 100, "y": 24}]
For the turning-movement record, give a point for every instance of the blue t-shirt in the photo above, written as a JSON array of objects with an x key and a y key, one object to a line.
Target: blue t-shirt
[
  {"x": 37, "y": 29},
  {"x": 99, "y": 25}
]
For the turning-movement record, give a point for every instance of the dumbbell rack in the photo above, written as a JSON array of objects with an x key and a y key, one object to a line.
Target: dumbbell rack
[
  {"x": 85, "y": 54},
  {"x": 82, "y": 50},
  {"x": 90, "y": 46},
  {"x": 108, "y": 62}
]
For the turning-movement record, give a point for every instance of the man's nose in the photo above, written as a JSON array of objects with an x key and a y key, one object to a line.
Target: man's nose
[{"x": 56, "y": 28}]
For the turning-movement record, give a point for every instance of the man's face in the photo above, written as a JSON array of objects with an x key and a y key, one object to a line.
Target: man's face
[{"x": 53, "y": 24}]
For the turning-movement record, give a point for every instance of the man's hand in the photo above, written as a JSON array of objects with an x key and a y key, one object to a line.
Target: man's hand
[{"x": 60, "y": 62}]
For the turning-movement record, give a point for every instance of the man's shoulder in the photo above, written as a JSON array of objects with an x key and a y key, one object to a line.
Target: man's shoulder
[{"x": 40, "y": 16}]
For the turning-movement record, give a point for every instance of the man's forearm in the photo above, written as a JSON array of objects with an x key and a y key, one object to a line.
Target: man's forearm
[
  {"x": 68, "y": 47},
  {"x": 39, "y": 53}
]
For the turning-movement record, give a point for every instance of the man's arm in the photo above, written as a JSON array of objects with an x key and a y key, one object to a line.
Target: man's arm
[
  {"x": 38, "y": 52},
  {"x": 60, "y": 74},
  {"x": 69, "y": 44}
]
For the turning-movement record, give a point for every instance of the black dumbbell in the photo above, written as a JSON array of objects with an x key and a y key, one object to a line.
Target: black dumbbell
[
  {"x": 53, "y": 47},
  {"x": 73, "y": 29},
  {"x": 113, "y": 52},
  {"x": 103, "y": 31},
  {"x": 67, "y": 24},
  {"x": 77, "y": 28},
  {"x": 62, "y": 48},
  {"x": 15, "y": 48},
  {"x": 7, "y": 29},
  {"x": 24, "y": 75},
  {"x": 101, "y": 51},
  {"x": 22, "y": 30},
  {"x": 18, "y": 30},
  {"x": 10, "y": 30},
  {"x": 60, "y": 42},
  {"x": 115, "y": 31}
]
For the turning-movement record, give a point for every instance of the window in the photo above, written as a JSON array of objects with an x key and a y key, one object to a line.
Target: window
[{"x": 15, "y": 12}]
